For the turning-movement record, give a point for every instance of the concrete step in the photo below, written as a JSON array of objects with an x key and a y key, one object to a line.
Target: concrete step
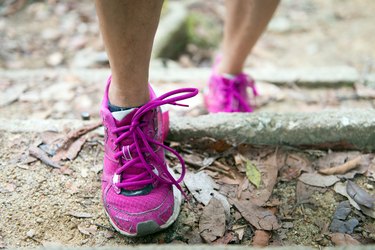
[
  {"x": 310, "y": 77},
  {"x": 354, "y": 129}
]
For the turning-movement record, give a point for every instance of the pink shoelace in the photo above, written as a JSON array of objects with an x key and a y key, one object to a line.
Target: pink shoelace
[
  {"x": 141, "y": 146},
  {"x": 233, "y": 94}
]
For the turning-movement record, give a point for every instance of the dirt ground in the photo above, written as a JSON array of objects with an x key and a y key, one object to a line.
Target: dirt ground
[{"x": 40, "y": 205}]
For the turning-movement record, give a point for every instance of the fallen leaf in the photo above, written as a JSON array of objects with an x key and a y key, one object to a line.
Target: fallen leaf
[
  {"x": 304, "y": 192},
  {"x": 340, "y": 158},
  {"x": 261, "y": 238},
  {"x": 359, "y": 195},
  {"x": 343, "y": 168},
  {"x": 212, "y": 221},
  {"x": 204, "y": 188},
  {"x": 226, "y": 239},
  {"x": 318, "y": 180},
  {"x": 80, "y": 214},
  {"x": 269, "y": 170},
  {"x": 257, "y": 216},
  {"x": 253, "y": 173},
  {"x": 340, "y": 188},
  {"x": 75, "y": 148},
  {"x": 42, "y": 156},
  {"x": 87, "y": 230},
  {"x": 340, "y": 239},
  {"x": 75, "y": 141},
  {"x": 294, "y": 165}
]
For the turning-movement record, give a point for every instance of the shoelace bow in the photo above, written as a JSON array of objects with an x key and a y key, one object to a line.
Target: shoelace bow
[
  {"x": 233, "y": 94},
  {"x": 142, "y": 145}
]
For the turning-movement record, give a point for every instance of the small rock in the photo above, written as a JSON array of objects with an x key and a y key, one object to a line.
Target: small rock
[
  {"x": 369, "y": 186},
  {"x": 85, "y": 116},
  {"x": 55, "y": 59},
  {"x": 30, "y": 233},
  {"x": 287, "y": 225},
  {"x": 339, "y": 226},
  {"x": 342, "y": 210},
  {"x": 109, "y": 234}
]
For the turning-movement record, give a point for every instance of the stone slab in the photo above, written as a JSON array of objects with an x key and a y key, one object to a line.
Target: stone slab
[
  {"x": 353, "y": 129},
  {"x": 331, "y": 77}
]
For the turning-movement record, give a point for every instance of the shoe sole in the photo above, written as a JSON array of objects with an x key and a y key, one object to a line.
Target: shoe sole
[{"x": 150, "y": 227}]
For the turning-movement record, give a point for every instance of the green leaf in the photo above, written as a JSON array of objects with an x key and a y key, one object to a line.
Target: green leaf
[{"x": 253, "y": 174}]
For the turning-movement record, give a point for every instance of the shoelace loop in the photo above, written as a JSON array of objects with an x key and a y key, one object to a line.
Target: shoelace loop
[{"x": 134, "y": 153}]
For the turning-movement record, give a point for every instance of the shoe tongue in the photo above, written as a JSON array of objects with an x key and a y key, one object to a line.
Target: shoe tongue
[
  {"x": 123, "y": 118},
  {"x": 120, "y": 115}
]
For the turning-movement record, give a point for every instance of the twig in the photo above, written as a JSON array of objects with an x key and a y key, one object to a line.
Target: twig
[
  {"x": 42, "y": 156},
  {"x": 342, "y": 169}
]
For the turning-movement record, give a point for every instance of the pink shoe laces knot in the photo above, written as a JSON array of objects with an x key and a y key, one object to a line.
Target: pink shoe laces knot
[{"x": 234, "y": 99}]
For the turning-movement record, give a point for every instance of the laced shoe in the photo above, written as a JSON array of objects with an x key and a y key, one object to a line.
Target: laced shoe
[
  {"x": 140, "y": 195},
  {"x": 228, "y": 93}
]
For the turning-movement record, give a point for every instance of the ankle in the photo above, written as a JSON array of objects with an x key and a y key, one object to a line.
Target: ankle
[
  {"x": 128, "y": 98},
  {"x": 229, "y": 69}
]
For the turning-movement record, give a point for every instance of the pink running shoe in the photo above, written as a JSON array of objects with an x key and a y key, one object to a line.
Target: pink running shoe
[
  {"x": 228, "y": 93},
  {"x": 139, "y": 193}
]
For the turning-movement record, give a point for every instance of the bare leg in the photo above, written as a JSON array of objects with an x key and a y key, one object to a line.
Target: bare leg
[
  {"x": 245, "y": 22},
  {"x": 128, "y": 28}
]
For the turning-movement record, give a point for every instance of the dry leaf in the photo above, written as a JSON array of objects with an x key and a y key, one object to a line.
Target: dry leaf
[
  {"x": 294, "y": 165},
  {"x": 304, "y": 192},
  {"x": 318, "y": 180},
  {"x": 340, "y": 239},
  {"x": 212, "y": 221},
  {"x": 339, "y": 158},
  {"x": 343, "y": 168},
  {"x": 340, "y": 188},
  {"x": 42, "y": 156},
  {"x": 204, "y": 188},
  {"x": 359, "y": 195},
  {"x": 261, "y": 238},
  {"x": 259, "y": 217},
  {"x": 73, "y": 140},
  {"x": 226, "y": 239}
]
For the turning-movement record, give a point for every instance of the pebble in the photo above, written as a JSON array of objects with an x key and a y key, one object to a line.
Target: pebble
[
  {"x": 85, "y": 116},
  {"x": 339, "y": 226},
  {"x": 55, "y": 59},
  {"x": 342, "y": 210},
  {"x": 369, "y": 186},
  {"x": 30, "y": 233}
]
